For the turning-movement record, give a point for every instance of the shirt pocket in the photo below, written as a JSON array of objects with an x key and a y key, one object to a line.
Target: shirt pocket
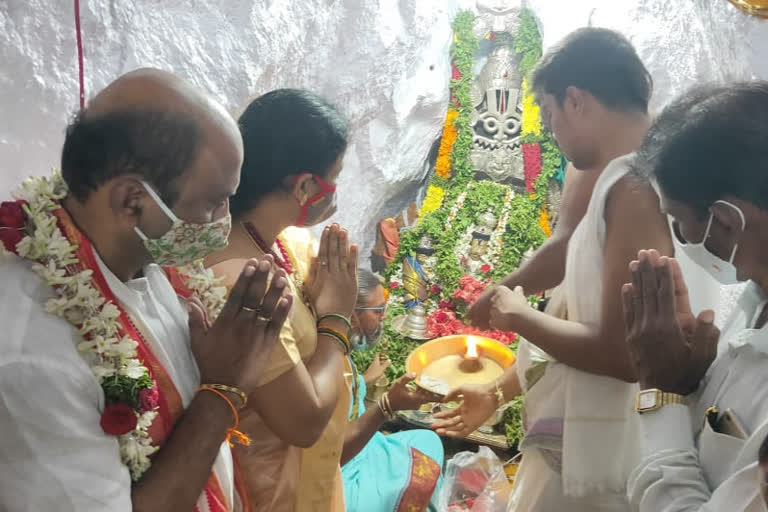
[{"x": 717, "y": 453}]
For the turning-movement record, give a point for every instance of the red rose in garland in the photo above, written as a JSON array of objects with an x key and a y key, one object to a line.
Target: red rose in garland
[
  {"x": 148, "y": 399},
  {"x": 118, "y": 419},
  {"x": 13, "y": 220},
  {"x": 485, "y": 268}
]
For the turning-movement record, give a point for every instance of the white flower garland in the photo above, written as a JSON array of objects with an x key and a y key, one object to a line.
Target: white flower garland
[
  {"x": 495, "y": 245},
  {"x": 457, "y": 206},
  {"x": 81, "y": 304},
  {"x": 204, "y": 284},
  {"x": 491, "y": 257}
]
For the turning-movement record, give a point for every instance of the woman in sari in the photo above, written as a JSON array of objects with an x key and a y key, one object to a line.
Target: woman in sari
[
  {"x": 294, "y": 145},
  {"x": 384, "y": 473}
]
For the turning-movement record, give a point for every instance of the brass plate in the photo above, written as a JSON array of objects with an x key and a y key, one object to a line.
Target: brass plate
[
  {"x": 397, "y": 324},
  {"x": 755, "y": 7},
  {"x": 457, "y": 345}
]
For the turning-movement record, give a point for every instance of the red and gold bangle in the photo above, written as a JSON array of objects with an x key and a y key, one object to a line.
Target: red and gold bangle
[{"x": 233, "y": 431}]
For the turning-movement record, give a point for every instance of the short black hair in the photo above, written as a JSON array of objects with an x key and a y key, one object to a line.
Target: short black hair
[
  {"x": 710, "y": 143},
  {"x": 286, "y": 132},
  {"x": 158, "y": 146},
  {"x": 600, "y": 61}
]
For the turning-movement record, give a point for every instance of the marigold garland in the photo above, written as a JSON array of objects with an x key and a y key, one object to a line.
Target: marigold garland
[
  {"x": 450, "y": 133},
  {"x": 544, "y": 223},
  {"x": 463, "y": 199},
  {"x": 432, "y": 201},
  {"x": 531, "y": 122}
]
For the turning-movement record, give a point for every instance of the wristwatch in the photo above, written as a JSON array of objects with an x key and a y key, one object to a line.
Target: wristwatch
[{"x": 649, "y": 400}]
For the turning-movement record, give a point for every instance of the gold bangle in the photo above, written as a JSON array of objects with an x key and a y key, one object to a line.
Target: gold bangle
[
  {"x": 338, "y": 336},
  {"x": 382, "y": 408},
  {"x": 344, "y": 344},
  {"x": 234, "y": 430},
  {"x": 336, "y": 332},
  {"x": 388, "y": 406},
  {"x": 229, "y": 389}
]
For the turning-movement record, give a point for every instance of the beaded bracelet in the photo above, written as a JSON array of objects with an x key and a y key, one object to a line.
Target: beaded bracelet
[
  {"x": 338, "y": 317},
  {"x": 336, "y": 335},
  {"x": 232, "y": 431},
  {"x": 229, "y": 389}
]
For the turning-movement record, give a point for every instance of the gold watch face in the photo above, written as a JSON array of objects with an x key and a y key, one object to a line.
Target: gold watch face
[{"x": 648, "y": 400}]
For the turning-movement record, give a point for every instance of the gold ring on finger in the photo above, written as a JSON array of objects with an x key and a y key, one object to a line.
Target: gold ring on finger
[
  {"x": 265, "y": 319},
  {"x": 248, "y": 309}
]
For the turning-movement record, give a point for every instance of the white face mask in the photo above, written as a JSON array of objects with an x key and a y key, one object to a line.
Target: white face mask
[
  {"x": 723, "y": 271},
  {"x": 185, "y": 242}
]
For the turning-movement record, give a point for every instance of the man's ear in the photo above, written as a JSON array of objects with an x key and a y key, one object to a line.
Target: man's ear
[
  {"x": 575, "y": 100},
  {"x": 127, "y": 199},
  {"x": 729, "y": 216}
]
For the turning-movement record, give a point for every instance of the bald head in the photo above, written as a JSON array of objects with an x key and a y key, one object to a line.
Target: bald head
[
  {"x": 150, "y": 89},
  {"x": 155, "y": 126}
]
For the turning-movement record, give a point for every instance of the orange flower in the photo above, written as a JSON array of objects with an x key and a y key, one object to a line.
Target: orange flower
[
  {"x": 544, "y": 223},
  {"x": 450, "y": 133}
]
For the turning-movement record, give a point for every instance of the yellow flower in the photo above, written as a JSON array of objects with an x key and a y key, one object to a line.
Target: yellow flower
[
  {"x": 450, "y": 133},
  {"x": 432, "y": 201},
  {"x": 544, "y": 223},
  {"x": 531, "y": 122}
]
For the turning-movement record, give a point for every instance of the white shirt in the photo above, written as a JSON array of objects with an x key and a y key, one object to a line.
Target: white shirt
[
  {"x": 53, "y": 453},
  {"x": 687, "y": 466}
]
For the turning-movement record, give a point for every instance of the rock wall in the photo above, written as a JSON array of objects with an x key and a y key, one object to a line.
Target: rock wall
[{"x": 383, "y": 62}]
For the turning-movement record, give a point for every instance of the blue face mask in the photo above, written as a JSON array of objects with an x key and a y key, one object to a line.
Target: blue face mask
[
  {"x": 723, "y": 271},
  {"x": 360, "y": 341}
]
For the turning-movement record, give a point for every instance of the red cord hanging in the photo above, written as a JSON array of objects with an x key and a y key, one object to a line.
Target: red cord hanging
[{"x": 79, "y": 35}]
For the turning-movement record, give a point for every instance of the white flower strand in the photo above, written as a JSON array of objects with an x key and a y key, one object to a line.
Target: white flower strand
[{"x": 80, "y": 303}]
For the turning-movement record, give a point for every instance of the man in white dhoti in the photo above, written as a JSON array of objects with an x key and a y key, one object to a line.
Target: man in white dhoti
[
  {"x": 578, "y": 415},
  {"x": 115, "y": 395},
  {"x": 702, "y": 422}
]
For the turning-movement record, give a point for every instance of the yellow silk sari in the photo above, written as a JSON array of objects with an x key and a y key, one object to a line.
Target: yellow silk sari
[{"x": 281, "y": 477}]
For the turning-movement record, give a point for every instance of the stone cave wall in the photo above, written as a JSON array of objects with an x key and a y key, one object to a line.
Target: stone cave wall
[{"x": 383, "y": 62}]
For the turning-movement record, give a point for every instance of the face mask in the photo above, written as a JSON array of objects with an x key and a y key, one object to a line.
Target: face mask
[
  {"x": 723, "y": 271},
  {"x": 319, "y": 207},
  {"x": 365, "y": 342},
  {"x": 184, "y": 242}
]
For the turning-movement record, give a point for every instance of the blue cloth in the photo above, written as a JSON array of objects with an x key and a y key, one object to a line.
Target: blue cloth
[{"x": 376, "y": 477}]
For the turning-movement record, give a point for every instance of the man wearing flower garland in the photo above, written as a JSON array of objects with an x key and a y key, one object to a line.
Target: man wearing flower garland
[{"x": 102, "y": 368}]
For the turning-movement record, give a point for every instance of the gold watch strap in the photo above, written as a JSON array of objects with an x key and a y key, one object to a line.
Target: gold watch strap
[
  {"x": 654, "y": 399},
  {"x": 672, "y": 398}
]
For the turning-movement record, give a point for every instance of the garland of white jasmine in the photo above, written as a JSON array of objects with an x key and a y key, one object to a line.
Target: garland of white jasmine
[{"x": 112, "y": 358}]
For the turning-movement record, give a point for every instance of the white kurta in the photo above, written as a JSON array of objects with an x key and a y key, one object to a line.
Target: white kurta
[
  {"x": 687, "y": 466},
  {"x": 53, "y": 453}
]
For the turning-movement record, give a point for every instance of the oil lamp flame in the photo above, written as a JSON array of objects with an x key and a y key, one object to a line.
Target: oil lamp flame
[
  {"x": 471, "y": 363},
  {"x": 471, "y": 348}
]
